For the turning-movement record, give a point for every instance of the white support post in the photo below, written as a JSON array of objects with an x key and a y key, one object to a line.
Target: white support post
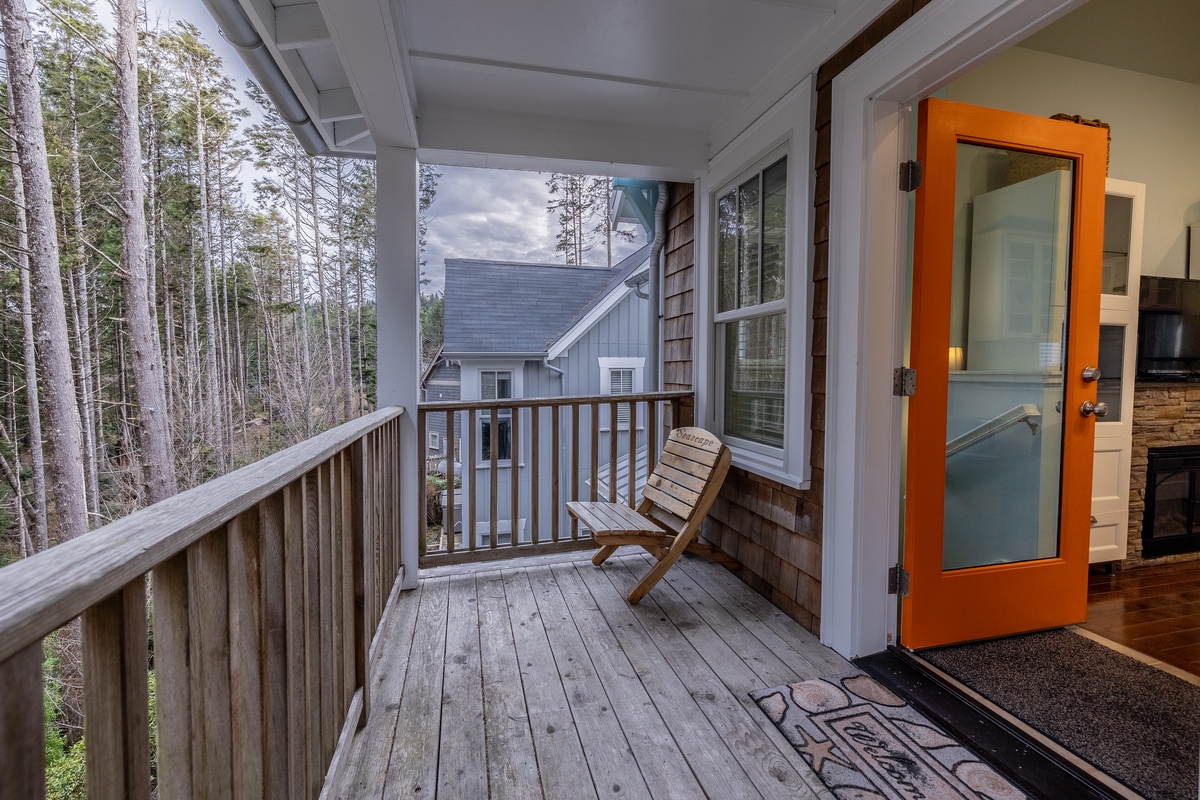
[{"x": 397, "y": 305}]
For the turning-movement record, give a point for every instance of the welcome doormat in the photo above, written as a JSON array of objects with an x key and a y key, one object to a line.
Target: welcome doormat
[{"x": 864, "y": 742}]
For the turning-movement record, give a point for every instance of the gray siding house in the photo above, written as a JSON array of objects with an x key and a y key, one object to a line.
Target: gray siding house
[{"x": 516, "y": 330}]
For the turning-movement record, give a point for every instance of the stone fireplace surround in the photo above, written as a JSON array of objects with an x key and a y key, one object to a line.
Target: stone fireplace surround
[{"x": 1165, "y": 414}]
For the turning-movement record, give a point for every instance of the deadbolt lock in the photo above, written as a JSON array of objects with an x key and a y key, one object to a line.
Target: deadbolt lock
[
  {"x": 1091, "y": 374},
  {"x": 1089, "y": 408}
]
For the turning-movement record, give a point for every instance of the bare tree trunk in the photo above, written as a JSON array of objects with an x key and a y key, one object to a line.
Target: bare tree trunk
[
  {"x": 158, "y": 457},
  {"x": 213, "y": 402},
  {"x": 345, "y": 381},
  {"x": 302, "y": 320},
  {"x": 318, "y": 258},
  {"x": 50, "y": 315},
  {"x": 37, "y": 460}
]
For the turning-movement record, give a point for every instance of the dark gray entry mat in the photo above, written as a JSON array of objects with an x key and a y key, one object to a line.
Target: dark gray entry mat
[{"x": 1137, "y": 723}]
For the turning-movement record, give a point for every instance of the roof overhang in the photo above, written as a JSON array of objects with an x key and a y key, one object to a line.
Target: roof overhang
[{"x": 628, "y": 88}]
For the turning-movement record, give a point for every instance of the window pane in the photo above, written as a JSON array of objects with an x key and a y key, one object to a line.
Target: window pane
[
  {"x": 774, "y": 226},
  {"x": 487, "y": 385},
  {"x": 749, "y": 233},
  {"x": 505, "y": 443},
  {"x": 754, "y": 379},
  {"x": 727, "y": 236},
  {"x": 504, "y": 385}
]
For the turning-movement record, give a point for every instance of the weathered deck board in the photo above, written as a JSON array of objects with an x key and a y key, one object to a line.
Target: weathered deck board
[
  {"x": 512, "y": 767},
  {"x": 534, "y": 679}
]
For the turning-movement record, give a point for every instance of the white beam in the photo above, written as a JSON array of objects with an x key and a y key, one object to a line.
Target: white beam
[
  {"x": 462, "y": 137},
  {"x": 397, "y": 288},
  {"x": 371, "y": 45},
  {"x": 338, "y": 104},
  {"x": 350, "y": 131},
  {"x": 300, "y": 26}
]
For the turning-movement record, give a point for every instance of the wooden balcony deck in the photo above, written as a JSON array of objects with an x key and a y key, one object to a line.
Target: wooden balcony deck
[{"x": 534, "y": 678}]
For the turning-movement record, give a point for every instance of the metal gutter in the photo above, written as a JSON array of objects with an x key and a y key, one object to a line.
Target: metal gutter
[{"x": 239, "y": 31}]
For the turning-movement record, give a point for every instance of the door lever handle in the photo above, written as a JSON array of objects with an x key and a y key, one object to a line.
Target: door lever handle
[{"x": 1089, "y": 408}]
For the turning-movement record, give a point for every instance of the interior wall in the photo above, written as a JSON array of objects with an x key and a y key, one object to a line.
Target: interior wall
[{"x": 1155, "y": 125}]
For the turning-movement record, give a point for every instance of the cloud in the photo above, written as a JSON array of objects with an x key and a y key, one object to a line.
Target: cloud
[{"x": 498, "y": 215}]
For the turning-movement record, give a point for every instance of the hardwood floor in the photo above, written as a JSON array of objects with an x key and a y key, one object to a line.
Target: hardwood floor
[
  {"x": 1154, "y": 610},
  {"x": 538, "y": 680}
]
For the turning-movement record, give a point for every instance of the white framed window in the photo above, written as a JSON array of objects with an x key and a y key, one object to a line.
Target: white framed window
[
  {"x": 496, "y": 384},
  {"x": 621, "y": 376},
  {"x": 753, "y": 285},
  {"x": 435, "y": 442},
  {"x": 751, "y": 313}
]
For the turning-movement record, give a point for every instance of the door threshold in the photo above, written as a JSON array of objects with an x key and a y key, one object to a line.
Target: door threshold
[{"x": 1035, "y": 763}]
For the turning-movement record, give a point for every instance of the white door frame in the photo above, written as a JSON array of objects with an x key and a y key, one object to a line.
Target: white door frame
[{"x": 867, "y": 257}]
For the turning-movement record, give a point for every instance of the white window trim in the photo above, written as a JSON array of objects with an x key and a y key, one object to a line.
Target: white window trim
[
  {"x": 469, "y": 391},
  {"x": 785, "y": 130},
  {"x": 435, "y": 441},
  {"x": 608, "y": 364}
]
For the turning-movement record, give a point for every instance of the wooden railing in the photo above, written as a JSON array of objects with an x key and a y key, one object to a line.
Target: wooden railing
[
  {"x": 268, "y": 585},
  {"x": 560, "y": 449}
]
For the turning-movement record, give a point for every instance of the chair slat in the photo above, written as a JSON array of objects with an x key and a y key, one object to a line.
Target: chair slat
[
  {"x": 676, "y": 490},
  {"x": 700, "y": 456},
  {"x": 660, "y": 498}
]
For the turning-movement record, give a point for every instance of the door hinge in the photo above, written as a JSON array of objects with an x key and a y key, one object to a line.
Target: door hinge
[
  {"x": 898, "y": 581},
  {"x": 904, "y": 381},
  {"x": 910, "y": 175}
]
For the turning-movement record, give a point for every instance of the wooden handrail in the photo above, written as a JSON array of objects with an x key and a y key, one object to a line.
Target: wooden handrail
[{"x": 42, "y": 593}]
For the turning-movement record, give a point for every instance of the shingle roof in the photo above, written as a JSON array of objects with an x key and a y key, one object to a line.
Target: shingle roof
[{"x": 512, "y": 307}]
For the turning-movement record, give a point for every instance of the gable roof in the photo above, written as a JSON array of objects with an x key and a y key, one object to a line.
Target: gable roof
[{"x": 514, "y": 308}]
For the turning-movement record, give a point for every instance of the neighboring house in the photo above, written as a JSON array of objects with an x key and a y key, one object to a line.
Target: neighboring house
[
  {"x": 796, "y": 372},
  {"x": 439, "y": 382},
  {"x": 519, "y": 330}
]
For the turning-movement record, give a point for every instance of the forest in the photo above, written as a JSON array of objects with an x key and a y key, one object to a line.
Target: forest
[{"x": 182, "y": 289}]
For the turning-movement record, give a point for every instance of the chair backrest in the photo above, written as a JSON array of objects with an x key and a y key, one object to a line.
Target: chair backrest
[{"x": 686, "y": 479}]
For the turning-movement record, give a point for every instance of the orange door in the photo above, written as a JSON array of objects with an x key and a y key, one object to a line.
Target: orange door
[{"x": 1006, "y": 291}]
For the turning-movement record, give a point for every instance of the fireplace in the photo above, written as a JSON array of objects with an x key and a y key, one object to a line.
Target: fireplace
[{"x": 1172, "y": 518}]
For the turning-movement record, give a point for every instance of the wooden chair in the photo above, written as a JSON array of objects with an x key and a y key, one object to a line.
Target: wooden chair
[{"x": 675, "y": 500}]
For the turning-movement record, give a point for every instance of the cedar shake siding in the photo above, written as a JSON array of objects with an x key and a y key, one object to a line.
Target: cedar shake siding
[
  {"x": 774, "y": 530},
  {"x": 679, "y": 289}
]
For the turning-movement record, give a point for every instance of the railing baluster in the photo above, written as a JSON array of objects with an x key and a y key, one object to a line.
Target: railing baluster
[
  {"x": 312, "y": 633},
  {"x": 535, "y": 450},
  {"x": 273, "y": 603},
  {"x": 329, "y": 717},
  {"x": 595, "y": 452},
  {"x": 651, "y": 436},
  {"x": 574, "y": 493},
  {"x": 493, "y": 478},
  {"x": 116, "y": 697},
  {"x": 364, "y": 577},
  {"x": 472, "y": 488},
  {"x": 423, "y": 450},
  {"x": 448, "y": 511},
  {"x": 348, "y": 533},
  {"x": 208, "y": 610},
  {"x": 555, "y": 413},
  {"x": 172, "y": 677},
  {"x": 631, "y": 484},
  {"x": 22, "y": 725},
  {"x": 245, "y": 655},
  {"x": 613, "y": 449},
  {"x": 514, "y": 479}
]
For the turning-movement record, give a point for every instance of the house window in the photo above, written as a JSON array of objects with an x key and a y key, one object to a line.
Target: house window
[
  {"x": 751, "y": 307},
  {"x": 621, "y": 376},
  {"x": 496, "y": 385},
  {"x": 435, "y": 442}
]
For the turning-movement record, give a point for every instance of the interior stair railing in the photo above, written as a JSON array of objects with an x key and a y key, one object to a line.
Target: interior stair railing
[{"x": 1028, "y": 413}]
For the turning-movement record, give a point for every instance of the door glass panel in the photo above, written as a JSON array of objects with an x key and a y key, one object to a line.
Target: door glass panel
[
  {"x": 1008, "y": 307},
  {"x": 1118, "y": 223},
  {"x": 1112, "y": 360}
]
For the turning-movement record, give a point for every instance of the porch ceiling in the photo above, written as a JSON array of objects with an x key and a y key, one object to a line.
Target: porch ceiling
[{"x": 643, "y": 89}]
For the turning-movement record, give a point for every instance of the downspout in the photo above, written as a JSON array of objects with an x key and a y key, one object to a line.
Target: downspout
[
  {"x": 546, "y": 363},
  {"x": 239, "y": 31},
  {"x": 660, "y": 238}
]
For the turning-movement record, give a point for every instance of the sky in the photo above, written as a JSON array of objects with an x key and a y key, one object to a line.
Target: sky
[{"x": 477, "y": 213}]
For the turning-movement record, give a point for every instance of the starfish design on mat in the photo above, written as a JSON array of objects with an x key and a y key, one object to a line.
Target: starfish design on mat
[{"x": 818, "y": 752}]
